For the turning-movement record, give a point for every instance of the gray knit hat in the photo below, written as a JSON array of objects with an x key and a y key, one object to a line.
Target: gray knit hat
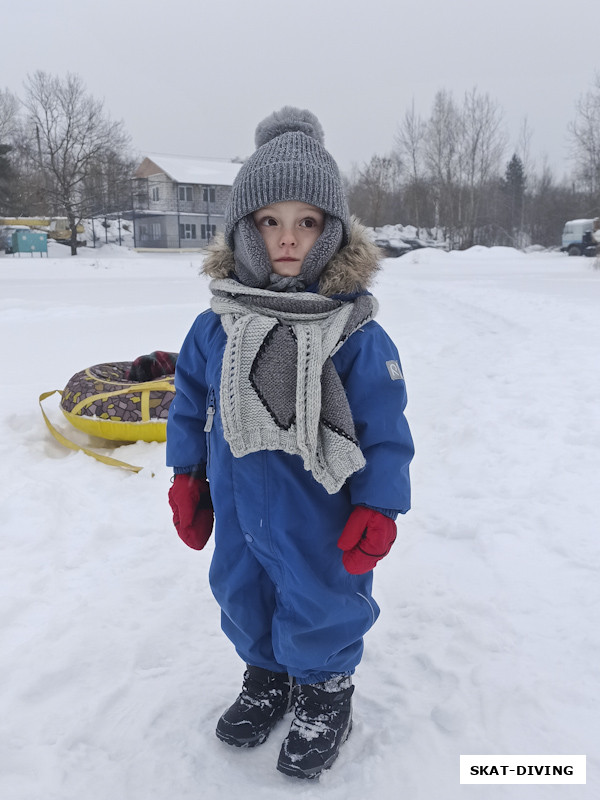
[{"x": 290, "y": 163}]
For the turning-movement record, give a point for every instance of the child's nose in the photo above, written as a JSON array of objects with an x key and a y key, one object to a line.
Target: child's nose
[{"x": 288, "y": 237}]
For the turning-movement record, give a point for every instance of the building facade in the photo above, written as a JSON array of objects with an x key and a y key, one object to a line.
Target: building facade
[{"x": 179, "y": 201}]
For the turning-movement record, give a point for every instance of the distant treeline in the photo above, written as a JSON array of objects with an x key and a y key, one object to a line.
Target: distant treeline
[
  {"x": 61, "y": 155},
  {"x": 454, "y": 171}
]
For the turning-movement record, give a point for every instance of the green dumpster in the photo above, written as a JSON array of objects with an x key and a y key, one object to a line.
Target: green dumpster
[{"x": 29, "y": 242}]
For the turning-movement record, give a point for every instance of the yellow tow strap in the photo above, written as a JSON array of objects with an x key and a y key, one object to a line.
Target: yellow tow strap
[{"x": 113, "y": 462}]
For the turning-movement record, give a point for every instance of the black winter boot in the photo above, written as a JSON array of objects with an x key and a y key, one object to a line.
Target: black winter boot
[
  {"x": 264, "y": 699},
  {"x": 322, "y": 724}
]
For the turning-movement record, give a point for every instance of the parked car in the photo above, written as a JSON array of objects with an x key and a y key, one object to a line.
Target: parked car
[
  {"x": 398, "y": 247},
  {"x": 6, "y": 233}
]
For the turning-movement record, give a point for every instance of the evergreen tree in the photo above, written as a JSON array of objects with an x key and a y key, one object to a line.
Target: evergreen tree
[
  {"x": 5, "y": 177},
  {"x": 513, "y": 190}
]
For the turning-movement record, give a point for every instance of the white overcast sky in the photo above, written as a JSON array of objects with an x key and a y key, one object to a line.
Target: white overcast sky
[{"x": 193, "y": 77}]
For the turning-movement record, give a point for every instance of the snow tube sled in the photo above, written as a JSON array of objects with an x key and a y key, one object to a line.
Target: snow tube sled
[{"x": 125, "y": 401}]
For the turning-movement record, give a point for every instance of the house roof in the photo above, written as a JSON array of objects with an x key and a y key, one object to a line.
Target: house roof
[{"x": 187, "y": 169}]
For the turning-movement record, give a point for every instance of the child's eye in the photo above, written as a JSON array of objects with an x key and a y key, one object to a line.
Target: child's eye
[
  {"x": 268, "y": 222},
  {"x": 309, "y": 222}
]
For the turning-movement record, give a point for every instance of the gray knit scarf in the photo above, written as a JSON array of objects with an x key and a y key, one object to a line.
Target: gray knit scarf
[{"x": 279, "y": 387}]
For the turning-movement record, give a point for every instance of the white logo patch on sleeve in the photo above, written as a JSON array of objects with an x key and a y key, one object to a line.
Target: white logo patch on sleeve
[{"x": 394, "y": 370}]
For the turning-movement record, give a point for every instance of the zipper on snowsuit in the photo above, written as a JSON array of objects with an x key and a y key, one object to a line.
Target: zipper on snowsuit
[{"x": 211, "y": 410}]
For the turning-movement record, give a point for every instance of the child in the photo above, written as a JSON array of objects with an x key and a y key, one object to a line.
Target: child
[{"x": 288, "y": 420}]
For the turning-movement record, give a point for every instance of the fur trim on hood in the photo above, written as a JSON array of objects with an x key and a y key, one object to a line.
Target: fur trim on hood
[{"x": 351, "y": 270}]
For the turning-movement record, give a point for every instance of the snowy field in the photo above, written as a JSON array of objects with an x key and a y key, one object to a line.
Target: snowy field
[{"x": 113, "y": 670}]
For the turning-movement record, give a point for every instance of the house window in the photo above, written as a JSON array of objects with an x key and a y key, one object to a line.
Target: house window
[
  {"x": 187, "y": 230},
  {"x": 185, "y": 194},
  {"x": 209, "y": 193},
  {"x": 155, "y": 194},
  {"x": 208, "y": 231},
  {"x": 156, "y": 232}
]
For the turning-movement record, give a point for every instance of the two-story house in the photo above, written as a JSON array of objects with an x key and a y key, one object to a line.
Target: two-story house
[{"x": 179, "y": 201}]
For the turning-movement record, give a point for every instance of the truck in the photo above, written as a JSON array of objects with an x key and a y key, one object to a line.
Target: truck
[
  {"x": 581, "y": 237},
  {"x": 58, "y": 229}
]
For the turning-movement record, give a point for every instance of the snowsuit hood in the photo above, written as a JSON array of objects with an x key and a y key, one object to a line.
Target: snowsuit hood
[{"x": 351, "y": 270}]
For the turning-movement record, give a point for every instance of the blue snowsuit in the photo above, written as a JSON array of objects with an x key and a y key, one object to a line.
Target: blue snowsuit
[{"x": 287, "y": 603}]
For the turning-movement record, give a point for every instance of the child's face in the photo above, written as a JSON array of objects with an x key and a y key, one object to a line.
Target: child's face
[{"x": 289, "y": 230}]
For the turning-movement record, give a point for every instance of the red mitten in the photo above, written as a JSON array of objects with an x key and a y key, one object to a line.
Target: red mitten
[
  {"x": 367, "y": 537},
  {"x": 193, "y": 517}
]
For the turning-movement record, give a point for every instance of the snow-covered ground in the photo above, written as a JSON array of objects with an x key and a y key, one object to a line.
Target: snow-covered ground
[{"x": 113, "y": 669}]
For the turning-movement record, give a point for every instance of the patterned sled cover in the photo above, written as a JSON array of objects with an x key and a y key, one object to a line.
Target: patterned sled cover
[{"x": 101, "y": 402}]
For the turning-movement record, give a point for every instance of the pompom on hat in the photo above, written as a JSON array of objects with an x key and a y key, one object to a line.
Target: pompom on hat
[
  {"x": 290, "y": 163},
  {"x": 287, "y": 120}
]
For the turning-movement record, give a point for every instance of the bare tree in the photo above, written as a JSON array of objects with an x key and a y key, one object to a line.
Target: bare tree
[
  {"x": 551, "y": 204},
  {"x": 523, "y": 146},
  {"x": 523, "y": 152},
  {"x": 374, "y": 191},
  {"x": 584, "y": 133},
  {"x": 442, "y": 158},
  {"x": 482, "y": 144},
  {"x": 410, "y": 142},
  {"x": 108, "y": 184},
  {"x": 9, "y": 113},
  {"x": 70, "y": 135}
]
